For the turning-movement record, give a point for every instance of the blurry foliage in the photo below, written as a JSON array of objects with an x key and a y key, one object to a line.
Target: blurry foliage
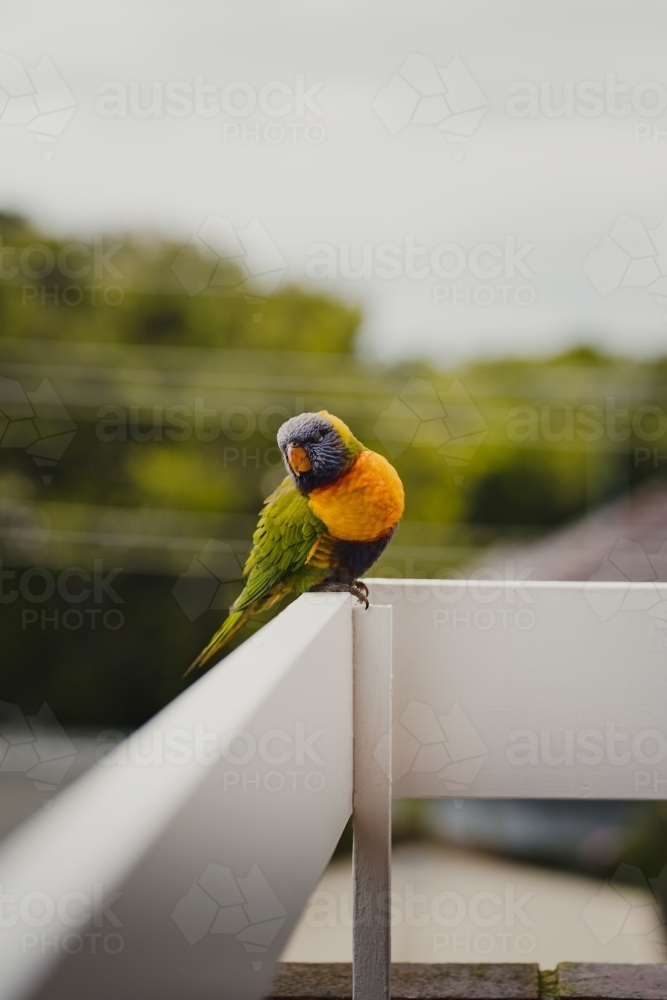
[
  {"x": 646, "y": 847},
  {"x": 76, "y": 313},
  {"x": 119, "y": 290},
  {"x": 169, "y": 476},
  {"x": 527, "y": 488}
]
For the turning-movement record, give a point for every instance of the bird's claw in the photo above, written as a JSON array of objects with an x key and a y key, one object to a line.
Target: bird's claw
[
  {"x": 357, "y": 589},
  {"x": 360, "y": 596},
  {"x": 360, "y": 591}
]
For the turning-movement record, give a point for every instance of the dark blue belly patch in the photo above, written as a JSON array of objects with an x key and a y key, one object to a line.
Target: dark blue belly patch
[{"x": 356, "y": 558}]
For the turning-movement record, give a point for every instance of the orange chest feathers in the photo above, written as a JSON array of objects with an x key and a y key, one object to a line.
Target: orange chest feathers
[{"x": 364, "y": 504}]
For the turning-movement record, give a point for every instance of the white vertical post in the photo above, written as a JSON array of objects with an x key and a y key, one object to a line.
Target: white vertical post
[{"x": 371, "y": 860}]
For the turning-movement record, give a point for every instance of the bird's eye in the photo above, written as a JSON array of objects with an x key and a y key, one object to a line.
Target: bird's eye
[{"x": 317, "y": 437}]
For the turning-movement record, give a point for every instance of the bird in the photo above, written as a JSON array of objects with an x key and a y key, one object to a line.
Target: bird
[{"x": 324, "y": 526}]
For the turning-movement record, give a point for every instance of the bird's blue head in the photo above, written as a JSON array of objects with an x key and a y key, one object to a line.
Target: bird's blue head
[{"x": 317, "y": 448}]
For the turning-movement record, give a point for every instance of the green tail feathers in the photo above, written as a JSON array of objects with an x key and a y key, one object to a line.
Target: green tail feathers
[{"x": 234, "y": 621}]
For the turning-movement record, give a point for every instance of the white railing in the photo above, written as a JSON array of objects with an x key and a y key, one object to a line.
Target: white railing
[{"x": 179, "y": 865}]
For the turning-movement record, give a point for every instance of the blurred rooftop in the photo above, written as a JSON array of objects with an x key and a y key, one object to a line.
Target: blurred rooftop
[{"x": 622, "y": 540}]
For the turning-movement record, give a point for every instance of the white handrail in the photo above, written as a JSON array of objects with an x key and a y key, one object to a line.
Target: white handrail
[
  {"x": 215, "y": 821},
  {"x": 519, "y": 689},
  {"x": 213, "y": 841}
]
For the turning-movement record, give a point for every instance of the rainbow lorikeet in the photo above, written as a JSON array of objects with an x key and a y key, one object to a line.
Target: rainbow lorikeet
[{"x": 323, "y": 527}]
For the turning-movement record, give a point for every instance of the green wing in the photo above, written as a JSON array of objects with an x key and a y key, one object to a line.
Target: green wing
[
  {"x": 283, "y": 540},
  {"x": 283, "y": 559}
]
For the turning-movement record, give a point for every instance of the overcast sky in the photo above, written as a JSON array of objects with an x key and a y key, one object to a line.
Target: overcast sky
[{"x": 520, "y": 202}]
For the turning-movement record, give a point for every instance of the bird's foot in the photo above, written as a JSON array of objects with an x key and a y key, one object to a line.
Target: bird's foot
[
  {"x": 356, "y": 588},
  {"x": 360, "y": 591}
]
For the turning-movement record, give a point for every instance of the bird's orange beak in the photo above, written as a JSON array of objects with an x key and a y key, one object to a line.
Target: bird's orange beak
[{"x": 298, "y": 460}]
